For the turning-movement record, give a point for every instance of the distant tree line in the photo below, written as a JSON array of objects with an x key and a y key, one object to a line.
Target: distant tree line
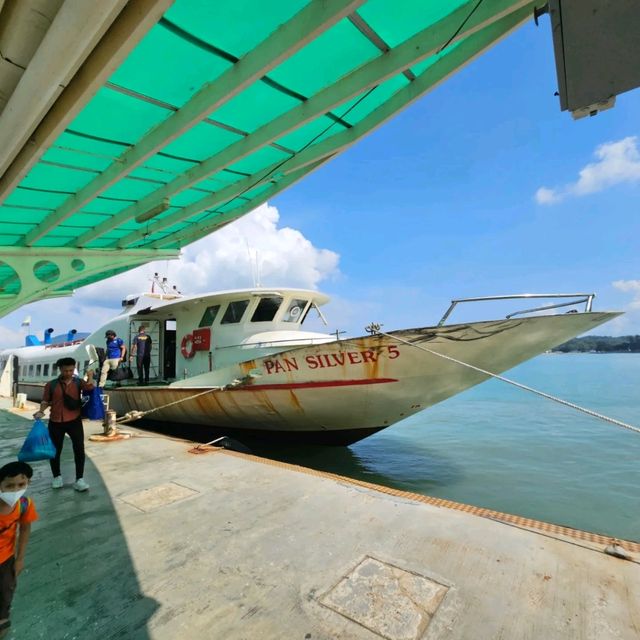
[{"x": 601, "y": 344}]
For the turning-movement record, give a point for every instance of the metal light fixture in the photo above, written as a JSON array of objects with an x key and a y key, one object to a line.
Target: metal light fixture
[{"x": 154, "y": 211}]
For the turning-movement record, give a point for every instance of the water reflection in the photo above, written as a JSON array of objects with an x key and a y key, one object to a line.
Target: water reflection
[
  {"x": 385, "y": 461},
  {"x": 385, "y": 458}
]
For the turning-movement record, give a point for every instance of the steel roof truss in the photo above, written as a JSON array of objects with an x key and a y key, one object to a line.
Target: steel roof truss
[
  {"x": 438, "y": 72},
  {"x": 313, "y": 19},
  {"x": 415, "y": 49}
]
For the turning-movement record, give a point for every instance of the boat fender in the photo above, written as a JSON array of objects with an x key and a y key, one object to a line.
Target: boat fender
[{"x": 187, "y": 348}]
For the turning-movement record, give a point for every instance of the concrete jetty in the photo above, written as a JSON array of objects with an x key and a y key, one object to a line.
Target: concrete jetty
[{"x": 172, "y": 545}]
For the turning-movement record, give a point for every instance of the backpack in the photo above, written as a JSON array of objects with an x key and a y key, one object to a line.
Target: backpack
[
  {"x": 70, "y": 403},
  {"x": 24, "y": 504}
]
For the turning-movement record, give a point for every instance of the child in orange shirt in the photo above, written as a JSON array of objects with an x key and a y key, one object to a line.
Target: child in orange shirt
[{"x": 16, "y": 515}]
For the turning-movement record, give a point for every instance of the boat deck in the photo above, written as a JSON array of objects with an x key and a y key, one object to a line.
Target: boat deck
[{"x": 168, "y": 544}]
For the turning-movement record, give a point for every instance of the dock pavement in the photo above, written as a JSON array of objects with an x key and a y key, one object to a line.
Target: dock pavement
[{"x": 172, "y": 545}]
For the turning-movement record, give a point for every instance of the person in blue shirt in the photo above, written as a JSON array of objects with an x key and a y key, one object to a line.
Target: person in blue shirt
[
  {"x": 141, "y": 350},
  {"x": 115, "y": 355}
]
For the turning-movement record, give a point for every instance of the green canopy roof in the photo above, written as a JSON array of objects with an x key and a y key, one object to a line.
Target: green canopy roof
[{"x": 218, "y": 107}]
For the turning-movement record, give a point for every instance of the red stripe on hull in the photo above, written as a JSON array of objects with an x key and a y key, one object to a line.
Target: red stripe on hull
[{"x": 314, "y": 385}]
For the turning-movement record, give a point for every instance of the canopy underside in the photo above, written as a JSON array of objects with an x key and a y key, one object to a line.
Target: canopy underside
[{"x": 185, "y": 116}]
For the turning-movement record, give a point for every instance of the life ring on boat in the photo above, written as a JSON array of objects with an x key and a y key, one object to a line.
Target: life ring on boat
[{"x": 187, "y": 348}]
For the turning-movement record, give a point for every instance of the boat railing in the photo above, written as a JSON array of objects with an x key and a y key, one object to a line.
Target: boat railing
[
  {"x": 67, "y": 343},
  {"x": 577, "y": 298},
  {"x": 264, "y": 344}
]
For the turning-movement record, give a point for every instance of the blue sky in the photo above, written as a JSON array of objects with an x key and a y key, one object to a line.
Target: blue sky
[
  {"x": 474, "y": 190},
  {"x": 441, "y": 200}
]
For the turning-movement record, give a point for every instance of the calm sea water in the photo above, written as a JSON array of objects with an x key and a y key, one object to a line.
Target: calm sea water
[{"x": 499, "y": 447}]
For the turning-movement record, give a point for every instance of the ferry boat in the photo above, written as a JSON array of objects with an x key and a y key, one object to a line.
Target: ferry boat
[{"x": 242, "y": 362}]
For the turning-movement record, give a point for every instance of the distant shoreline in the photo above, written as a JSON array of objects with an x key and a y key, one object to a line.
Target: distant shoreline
[{"x": 600, "y": 344}]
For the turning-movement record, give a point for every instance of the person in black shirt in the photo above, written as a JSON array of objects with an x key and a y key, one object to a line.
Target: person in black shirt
[{"x": 141, "y": 351}]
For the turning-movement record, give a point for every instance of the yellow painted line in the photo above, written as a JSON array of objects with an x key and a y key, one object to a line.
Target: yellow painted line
[{"x": 506, "y": 518}]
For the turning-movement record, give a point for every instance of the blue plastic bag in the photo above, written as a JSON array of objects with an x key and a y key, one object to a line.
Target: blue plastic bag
[
  {"x": 92, "y": 406},
  {"x": 38, "y": 444}
]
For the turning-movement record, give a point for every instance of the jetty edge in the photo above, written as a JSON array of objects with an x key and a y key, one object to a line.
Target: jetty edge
[{"x": 168, "y": 544}]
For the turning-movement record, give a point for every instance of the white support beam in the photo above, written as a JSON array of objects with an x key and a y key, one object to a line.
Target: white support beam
[
  {"x": 76, "y": 29},
  {"x": 131, "y": 25},
  {"x": 314, "y": 156},
  {"x": 289, "y": 38},
  {"x": 328, "y": 147},
  {"x": 417, "y": 48},
  {"x": 71, "y": 266},
  {"x": 191, "y": 235},
  {"x": 208, "y": 202}
]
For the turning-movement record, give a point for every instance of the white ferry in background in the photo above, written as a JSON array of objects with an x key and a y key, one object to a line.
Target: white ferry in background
[{"x": 271, "y": 378}]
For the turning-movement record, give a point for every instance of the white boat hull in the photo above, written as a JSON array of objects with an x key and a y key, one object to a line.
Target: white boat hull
[{"x": 342, "y": 391}]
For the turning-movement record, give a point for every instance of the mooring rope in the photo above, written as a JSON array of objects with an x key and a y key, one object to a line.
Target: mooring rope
[
  {"x": 136, "y": 415},
  {"x": 548, "y": 396}
]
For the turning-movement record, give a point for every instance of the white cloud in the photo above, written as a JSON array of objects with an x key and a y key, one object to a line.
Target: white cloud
[
  {"x": 630, "y": 286},
  {"x": 252, "y": 248},
  {"x": 547, "y": 196},
  {"x": 617, "y": 163},
  {"x": 627, "y": 285},
  {"x": 629, "y": 322},
  {"x": 10, "y": 337}
]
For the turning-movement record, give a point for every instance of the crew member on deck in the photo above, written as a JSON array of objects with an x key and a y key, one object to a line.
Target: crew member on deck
[
  {"x": 115, "y": 355},
  {"x": 141, "y": 350}
]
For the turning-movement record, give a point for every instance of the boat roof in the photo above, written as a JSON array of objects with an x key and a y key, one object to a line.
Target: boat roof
[{"x": 168, "y": 302}]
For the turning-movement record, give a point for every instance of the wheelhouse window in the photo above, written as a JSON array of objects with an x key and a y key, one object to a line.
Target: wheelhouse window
[
  {"x": 294, "y": 312},
  {"x": 234, "y": 312},
  {"x": 30, "y": 369},
  {"x": 54, "y": 369},
  {"x": 266, "y": 309},
  {"x": 209, "y": 316},
  {"x": 45, "y": 370},
  {"x": 38, "y": 369}
]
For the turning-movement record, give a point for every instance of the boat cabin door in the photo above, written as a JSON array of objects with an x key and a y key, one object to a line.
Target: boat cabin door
[
  {"x": 169, "y": 350},
  {"x": 152, "y": 329}
]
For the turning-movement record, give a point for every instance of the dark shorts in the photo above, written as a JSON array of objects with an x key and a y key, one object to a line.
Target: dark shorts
[{"x": 7, "y": 585}]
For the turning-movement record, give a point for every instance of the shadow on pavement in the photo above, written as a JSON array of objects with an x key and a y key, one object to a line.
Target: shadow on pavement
[{"x": 79, "y": 580}]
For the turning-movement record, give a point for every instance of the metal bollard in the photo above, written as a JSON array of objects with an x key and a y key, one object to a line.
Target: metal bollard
[{"x": 110, "y": 423}]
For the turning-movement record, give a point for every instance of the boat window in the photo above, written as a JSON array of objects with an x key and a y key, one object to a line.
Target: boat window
[
  {"x": 313, "y": 305},
  {"x": 30, "y": 369},
  {"x": 266, "y": 309},
  {"x": 54, "y": 369},
  {"x": 209, "y": 316},
  {"x": 24, "y": 370},
  {"x": 234, "y": 311},
  {"x": 38, "y": 369},
  {"x": 294, "y": 312},
  {"x": 45, "y": 371}
]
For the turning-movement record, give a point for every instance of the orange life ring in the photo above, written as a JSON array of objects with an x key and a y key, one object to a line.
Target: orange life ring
[{"x": 188, "y": 352}]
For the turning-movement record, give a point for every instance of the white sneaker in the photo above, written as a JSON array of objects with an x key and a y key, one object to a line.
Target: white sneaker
[
  {"x": 56, "y": 483},
  {"x": 80, "y": 485}
]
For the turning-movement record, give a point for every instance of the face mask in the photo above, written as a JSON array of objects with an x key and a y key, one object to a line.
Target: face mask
[{"x": 11, "y": 497}]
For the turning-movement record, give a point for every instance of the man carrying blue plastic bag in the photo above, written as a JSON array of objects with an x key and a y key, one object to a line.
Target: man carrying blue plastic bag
[
  {"x": 38, "y": 444},
  {"x": 64, "y": 396}
]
